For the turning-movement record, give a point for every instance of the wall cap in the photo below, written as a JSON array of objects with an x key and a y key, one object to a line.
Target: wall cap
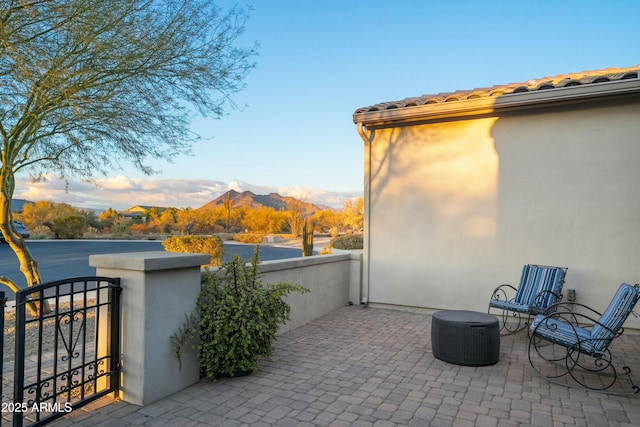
[{"x": 148, "y": 261}]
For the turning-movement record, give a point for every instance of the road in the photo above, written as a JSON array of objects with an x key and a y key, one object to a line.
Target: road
[{"x": 62, "y": 259}]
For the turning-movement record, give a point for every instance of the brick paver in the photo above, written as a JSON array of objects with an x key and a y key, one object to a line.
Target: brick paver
[{"x": 374, "y": 367}]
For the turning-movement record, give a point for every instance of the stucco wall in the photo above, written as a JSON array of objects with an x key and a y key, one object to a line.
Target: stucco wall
[
  {"x": 456, "y": 208},
  {"x": 328, "y": 278},
  {"x": 333, "y": 280}
]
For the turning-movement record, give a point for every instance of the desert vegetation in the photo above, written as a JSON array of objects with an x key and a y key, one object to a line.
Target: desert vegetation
[{"x": 51, "y": 220}]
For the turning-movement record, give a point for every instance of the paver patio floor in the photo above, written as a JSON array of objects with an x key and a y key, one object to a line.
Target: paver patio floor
[{"x": 374, "y": 367}]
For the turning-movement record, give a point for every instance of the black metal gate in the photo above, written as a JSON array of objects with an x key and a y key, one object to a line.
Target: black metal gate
[{"x": 68, "y": 353}]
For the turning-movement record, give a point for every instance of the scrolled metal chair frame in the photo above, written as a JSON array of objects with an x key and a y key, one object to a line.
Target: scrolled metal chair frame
[
  {"x": 515, "y": 316},
  {"x": 581, "y": 359},
  {"x": 512, "y": 321}
]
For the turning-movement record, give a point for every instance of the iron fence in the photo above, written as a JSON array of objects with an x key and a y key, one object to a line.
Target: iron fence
[{"x": 67, "y": 348}]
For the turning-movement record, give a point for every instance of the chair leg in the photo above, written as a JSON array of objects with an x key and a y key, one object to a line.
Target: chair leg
[
  {"x": 548, "y": 358},
  {"x": 510, "y": 322},
  {"x": 571, "y": 368}
]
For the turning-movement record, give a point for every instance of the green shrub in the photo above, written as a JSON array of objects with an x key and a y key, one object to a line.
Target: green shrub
[
  {"x": 327, "y": 250},
  {"x": 140, "y": 229},
  {"x": 211, "y": 245},
  {"x": 236, "y": 319},
  {"x": 69, "y": 227},
  {"x": 42, "y": 232},
  {"x": 249, "y": 237},
  {"x": 350, "y": 241},
  {"x": 120, "y": 225},
  {"x": 91, "y": 232}
]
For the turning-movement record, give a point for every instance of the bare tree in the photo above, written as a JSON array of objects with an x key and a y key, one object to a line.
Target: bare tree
[
  {"x": 86, "y": 84},
  {"x": 297, "y": 210},
  {"x": 353, "y": 214}
]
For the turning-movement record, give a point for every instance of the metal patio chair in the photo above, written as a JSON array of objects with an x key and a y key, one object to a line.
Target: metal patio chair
[
  {"x": 540, "y": 287},
  {"x": 570, "y": 344}
]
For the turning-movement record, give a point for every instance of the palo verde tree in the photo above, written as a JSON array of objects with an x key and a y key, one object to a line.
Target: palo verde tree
[{"x": 87, "y": 84}]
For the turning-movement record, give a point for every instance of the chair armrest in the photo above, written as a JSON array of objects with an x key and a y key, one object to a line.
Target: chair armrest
[
  {"x": 571, "y": 338},
  {"x": 502, "y": 292},
  {"x": 567, "y": 306},
  {"x": 573, "y": 318}
]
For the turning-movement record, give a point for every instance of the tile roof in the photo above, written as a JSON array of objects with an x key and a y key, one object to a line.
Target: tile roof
[{"x": 533, "y": 85}]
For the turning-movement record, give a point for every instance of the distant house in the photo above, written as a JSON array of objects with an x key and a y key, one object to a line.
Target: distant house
[
  {"x": 17, "y": 205},
  {"x": 140, "y": 211},
  {"x": 464, "y": 188}
]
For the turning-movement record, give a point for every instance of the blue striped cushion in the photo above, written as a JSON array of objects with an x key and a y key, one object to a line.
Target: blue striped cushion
[
  {"x": 536, "y": 279},
  {"x": 614, "y": 316},
  {"x": 563, "y": 333},
  {"x": 509, "y": 305}
]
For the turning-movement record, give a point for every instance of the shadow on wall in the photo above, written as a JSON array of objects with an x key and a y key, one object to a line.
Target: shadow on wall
[
  {"x": 458, "y": 207},
  {"x": 432, "y": 205},
  {"x": 451, "y": 175}
]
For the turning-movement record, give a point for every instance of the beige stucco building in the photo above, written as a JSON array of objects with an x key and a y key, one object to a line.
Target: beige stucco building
[{"x": 463, "y": 189}]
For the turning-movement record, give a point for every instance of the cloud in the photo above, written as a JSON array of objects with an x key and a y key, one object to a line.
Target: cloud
[
  {"x": 121, "y": 192},
  {"x": 119, "y": 182}
]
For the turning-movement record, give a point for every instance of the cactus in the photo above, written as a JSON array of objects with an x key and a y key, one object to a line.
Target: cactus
[
  {"x": 227, "y": 205},
  {"x": 307, "y": 238}
]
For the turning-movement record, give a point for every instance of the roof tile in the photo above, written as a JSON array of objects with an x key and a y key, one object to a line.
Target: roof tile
[{"x": 545, "y": 83}]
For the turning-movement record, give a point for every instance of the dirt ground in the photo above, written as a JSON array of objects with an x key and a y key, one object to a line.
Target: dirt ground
[{"x": 32, "y": 334}]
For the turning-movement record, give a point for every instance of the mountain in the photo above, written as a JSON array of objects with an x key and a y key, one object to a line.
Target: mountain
[{"x": 253, "y": 201}]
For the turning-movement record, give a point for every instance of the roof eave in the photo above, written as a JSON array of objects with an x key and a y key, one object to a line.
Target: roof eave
[{"x": 497, "y": 105}]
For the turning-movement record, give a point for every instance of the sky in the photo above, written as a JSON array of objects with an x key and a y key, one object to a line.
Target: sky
[{"x": 319, "y": 61}]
